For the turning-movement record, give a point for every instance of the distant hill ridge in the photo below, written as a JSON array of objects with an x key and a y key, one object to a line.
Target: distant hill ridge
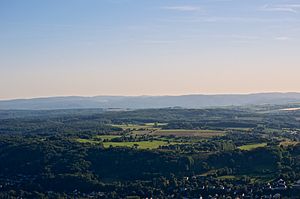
[{"x": 143, "y": 102}]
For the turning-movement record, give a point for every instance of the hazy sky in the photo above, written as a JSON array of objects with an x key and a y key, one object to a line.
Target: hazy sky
[{"x": 148, "y": 47}]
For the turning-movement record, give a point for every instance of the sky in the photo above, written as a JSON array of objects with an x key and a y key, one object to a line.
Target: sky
[{"x": 148, "y": 47}]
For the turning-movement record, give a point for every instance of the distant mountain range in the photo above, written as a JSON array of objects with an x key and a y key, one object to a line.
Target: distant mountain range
[{"x": 143, "y": 102}]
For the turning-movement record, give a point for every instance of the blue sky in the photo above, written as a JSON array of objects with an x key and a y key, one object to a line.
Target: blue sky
[{"x": 148, "y": 47}]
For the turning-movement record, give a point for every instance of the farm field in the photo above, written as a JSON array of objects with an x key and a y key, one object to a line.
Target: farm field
[
  {"x": 130, "y": 126},
  {"x": 139, "y": 126},
  {"x": 291, "y": 109},
  {"x": 190, "y": 133},
  {"x": 157, "y": 124},
  {"x": 250, "y": 147},
  {"x": 288, "y": 143},
  {"x": 107, "y": 137},
  {"x": 140, "y": 145},
  {"x": 80, "y": 140}
]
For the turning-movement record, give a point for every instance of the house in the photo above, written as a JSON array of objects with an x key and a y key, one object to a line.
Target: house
[
  {"x": 280, "y": 185},
  {"x": 297, "y": 185},
  {"x": 277, "y": 196}
]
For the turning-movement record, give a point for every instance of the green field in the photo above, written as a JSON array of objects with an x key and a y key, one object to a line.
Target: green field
[
  {"x": 249, "y": 147},
  {"x": 107, "y": 137},
  {"x": 103, "y": 137},
  {"x": 141, "y": 145},
  {"x": 87, "y": 141}
]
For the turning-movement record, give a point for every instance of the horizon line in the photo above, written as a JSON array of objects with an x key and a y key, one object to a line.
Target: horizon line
[{"x": 159, "y": 95}]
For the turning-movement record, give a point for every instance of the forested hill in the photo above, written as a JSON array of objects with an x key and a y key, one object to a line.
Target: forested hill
[{"x": 140, "y": 102}]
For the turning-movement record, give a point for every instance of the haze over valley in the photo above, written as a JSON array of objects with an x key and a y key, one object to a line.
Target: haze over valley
[{"x": 143, "y": 102}]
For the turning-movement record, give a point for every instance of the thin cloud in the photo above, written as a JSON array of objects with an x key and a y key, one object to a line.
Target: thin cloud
[
  {"x": 210, "y": 19},
  {"x": 245, "y": 37},
  {"x": 238, "y": 38},
  {"x": 293, "y": 8},
  {"x": 185, "y": 8},
  {"x": 159, "y": 42},
  {"x": 282, "y": 38}
]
